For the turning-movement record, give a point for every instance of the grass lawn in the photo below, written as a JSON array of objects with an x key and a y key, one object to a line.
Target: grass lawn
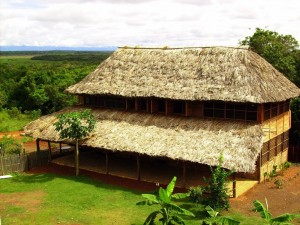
[
  {"x": 51, "y": 199},
  {"x": 8, "y": 123}
]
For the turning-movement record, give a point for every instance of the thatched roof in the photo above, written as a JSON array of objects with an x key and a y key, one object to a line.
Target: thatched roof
[
  {"x": 211, "y": 73},
  {"x": 189, "y": 139}
]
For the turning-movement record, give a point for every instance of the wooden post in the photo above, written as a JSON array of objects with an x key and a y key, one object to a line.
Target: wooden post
[
  {"x": 60, "y": 151},
  {"x": 184, "y": 174},
  {"x": 234, "y": 186},
  {"x": 106, "y": 162},
  {"x": 138, "y": 167},
  {"x": 38, "y": 150},
  {"x": 50, "y": 153}
]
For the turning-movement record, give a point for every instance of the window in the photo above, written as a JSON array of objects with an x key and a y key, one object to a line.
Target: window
[
  {"x": 179, "y": 107},
  {"x": 230, "y": 110},
  {"x": 274, "y": 109},
  {"x": 161, "y": 106},
  {"x": 130, "y": 104}
]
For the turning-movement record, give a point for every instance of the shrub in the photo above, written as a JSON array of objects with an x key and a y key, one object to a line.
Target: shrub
[
  {"x": 9, "y": 145},
  {"x": 196, "y": 194},
  {"x": 218, "y": 197},
  {"x": 14, "y": 112}
]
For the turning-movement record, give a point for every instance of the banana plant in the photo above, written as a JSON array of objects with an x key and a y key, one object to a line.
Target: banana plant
[
  {"x": 267, "y": 216},
  {"x": 168, "y": 212},
  {"x": 216, "y": 219}
]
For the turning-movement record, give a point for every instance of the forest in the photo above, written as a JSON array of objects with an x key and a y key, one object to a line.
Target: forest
[{"x": 37, "y": 80}]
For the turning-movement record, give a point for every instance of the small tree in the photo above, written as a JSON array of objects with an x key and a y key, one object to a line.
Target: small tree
[
  {"x": 218, "y": 197},
  {"x": 75, "y": 125},
  {"x": 169, "y": 212},
  {"x": 216, "y": 219},
  {"x": 267, "y": 216}
]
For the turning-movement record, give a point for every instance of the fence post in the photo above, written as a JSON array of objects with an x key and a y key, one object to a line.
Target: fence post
[{"x": 2, "y": 166}]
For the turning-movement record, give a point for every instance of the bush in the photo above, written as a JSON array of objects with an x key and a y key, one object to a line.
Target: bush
[
  {"x": 196, "y": 194},
  {"x": 218, "y": 197},
  {"x": 9, "y": 145},
  {"x": 14, "y": 112},
  {"x": 34, "y": 114}
]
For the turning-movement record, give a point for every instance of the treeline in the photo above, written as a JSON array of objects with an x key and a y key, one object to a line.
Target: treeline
[
  {"x": 75, "y": 56},
  {"x": 29, "y": 84}
]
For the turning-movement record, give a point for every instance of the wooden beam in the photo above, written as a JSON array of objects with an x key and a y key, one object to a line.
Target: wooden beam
[
  {"x": 38, "y": 150},
  {"x": 138, "y": 167},
  {"x": 60, "y": 150},
  {"x": 106, "y": 162},
  {"x": 50, "y": 152},
  {"x": 234, "y": 186},
  {"x": 184, "y": 174}
]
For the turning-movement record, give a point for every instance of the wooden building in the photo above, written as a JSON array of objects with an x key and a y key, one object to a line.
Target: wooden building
[{"x": 187, "y": 104}]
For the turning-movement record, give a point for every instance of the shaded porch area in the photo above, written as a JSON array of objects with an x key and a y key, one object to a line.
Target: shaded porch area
[{"x": 155, "y": 170}]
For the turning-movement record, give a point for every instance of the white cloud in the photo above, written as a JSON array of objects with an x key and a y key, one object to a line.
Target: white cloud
[{"x": 142, "y": 22}]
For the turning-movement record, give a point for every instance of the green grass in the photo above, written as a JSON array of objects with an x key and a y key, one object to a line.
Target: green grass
[
  {"x": 8, "y": 123},
  {"x": 49, "y": 199}
]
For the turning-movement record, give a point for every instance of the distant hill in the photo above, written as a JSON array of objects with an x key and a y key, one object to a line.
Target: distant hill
[{"x": 56, "y": 48}]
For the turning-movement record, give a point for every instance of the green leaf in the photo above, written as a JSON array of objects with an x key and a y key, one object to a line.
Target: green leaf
[
  {"x": 151, "y": 198},
  {"x": 171, "y": 186},
  {"x": 178, "y": 220},
  {"x": 211, "y": 211},
  {"x": 163, "y": 196},
  {"x": 285, "y": 217},
  {"x": 177, "y": 209},
  {"x": 227, "y": 221},
  {"x": 180, "y": 195},
  {"x": 259, "y": 207},
  {"x": 150, "y": 219}
]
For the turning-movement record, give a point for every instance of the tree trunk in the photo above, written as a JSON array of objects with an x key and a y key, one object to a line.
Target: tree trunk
[{"x": 77, "y": 158}]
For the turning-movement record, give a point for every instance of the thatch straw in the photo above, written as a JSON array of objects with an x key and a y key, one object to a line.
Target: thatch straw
[
  {"x": 189, "y": 139},
  {"x": 212, "y": 73}
]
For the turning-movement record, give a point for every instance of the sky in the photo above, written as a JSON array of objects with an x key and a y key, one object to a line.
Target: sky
[{"x": 153, "y": 23}]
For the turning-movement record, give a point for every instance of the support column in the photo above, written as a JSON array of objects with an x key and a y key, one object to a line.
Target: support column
[
  {"x": 184, "y": 174},
  {"x": 50, "y": 151},
  {"x": 38, "y": 151},
  {"x": 138, "y": 167},
  {"x": 106, "y": 163},
  {"x": 234, "y": 186}
]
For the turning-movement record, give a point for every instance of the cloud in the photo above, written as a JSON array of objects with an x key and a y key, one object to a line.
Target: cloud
[{"x": 150, "y": 22}]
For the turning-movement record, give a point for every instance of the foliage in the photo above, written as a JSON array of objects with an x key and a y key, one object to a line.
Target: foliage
[
  {"x": 216, "y": 219},
  {"x": 267, "y": 216},
  {"x": 278, "y": 183},
  {"x": 9, "y": 145},
  {"x": 75, "y": 125},
  {"x": 284, "y": 166},
  {"x": 295, "y": 131},
  {"x": 8, "y": 123},
  {"x": 279, "y": 50},
  {"x": 218, "y": 197},
  {"x": 196, "y": 194},
  {"x": 273, "y": 173},
  {"x": 169, "y": 211},
  {"x": 39, "y": 84},
  {"x": 74, "y": 56}
]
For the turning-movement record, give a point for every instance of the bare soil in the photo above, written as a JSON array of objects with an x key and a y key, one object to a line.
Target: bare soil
[{"x": 29, "y": 146}]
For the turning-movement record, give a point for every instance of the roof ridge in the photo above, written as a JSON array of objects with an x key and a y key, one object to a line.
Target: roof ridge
[{"x": 187, "y": 47}]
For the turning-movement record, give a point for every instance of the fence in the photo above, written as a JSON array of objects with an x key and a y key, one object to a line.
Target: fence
[
  {"x": 294, "y": 153},
  {"x": 23, "y": 162}
]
